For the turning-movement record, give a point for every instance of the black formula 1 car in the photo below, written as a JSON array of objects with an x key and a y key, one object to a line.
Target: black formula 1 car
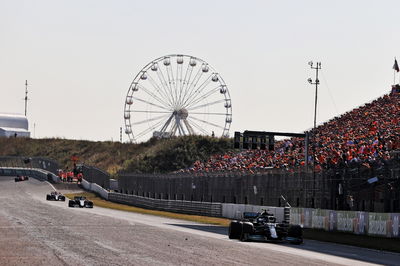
[
  {"x": 80, "y": 201},
  {"x": 263, "y": 227},
  {"x": 21, "y": 178},
  {"x": 54, "y": 195}
]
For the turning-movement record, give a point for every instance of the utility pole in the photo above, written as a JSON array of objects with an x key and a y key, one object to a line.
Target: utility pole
[
  {"x": 120, "y": 134},
  {"x": 26, "y": 96},
  {"x": 316, "y": 83}
]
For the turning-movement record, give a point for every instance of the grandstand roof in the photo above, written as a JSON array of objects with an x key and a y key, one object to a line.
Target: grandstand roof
[{"x": 13, "y": 123}]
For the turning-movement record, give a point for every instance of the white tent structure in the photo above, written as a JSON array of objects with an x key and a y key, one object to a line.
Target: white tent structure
[{"x": 13, "y": 125}]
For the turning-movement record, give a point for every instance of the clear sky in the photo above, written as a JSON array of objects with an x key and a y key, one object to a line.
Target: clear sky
[{"x": 80, "y": 57}]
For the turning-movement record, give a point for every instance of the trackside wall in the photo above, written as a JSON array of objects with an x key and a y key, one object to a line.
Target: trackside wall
[
  {"x": 31, "y": 172},
  {"x": 95, "y": 188},
  {"x": 362, "y": 223}
]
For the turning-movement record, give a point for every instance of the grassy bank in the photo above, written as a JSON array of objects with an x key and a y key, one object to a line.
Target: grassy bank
[{"x": 155, "y": 155}]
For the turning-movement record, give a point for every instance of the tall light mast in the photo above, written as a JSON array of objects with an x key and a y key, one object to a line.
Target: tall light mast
[
  {"x": 26, "y": 96},
  {"x": 316, "y": 83}
]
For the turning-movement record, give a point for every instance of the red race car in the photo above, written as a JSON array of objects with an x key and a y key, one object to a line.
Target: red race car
[{"x": 21, "y": 178}]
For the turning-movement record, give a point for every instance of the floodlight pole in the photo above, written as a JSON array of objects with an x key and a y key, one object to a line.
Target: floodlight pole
[
  {"x": 316, "y": 83},
  {"x": 26, "y": 96}
]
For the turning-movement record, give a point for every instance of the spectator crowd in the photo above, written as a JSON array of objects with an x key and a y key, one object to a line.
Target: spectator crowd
[{"x": 364, "y": 136}]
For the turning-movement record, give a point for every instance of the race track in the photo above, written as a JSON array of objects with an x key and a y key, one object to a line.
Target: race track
[{"x": 36, "y": 232}]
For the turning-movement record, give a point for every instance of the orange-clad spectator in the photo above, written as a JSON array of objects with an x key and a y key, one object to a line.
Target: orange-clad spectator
[{"x": 365, "y": 135}]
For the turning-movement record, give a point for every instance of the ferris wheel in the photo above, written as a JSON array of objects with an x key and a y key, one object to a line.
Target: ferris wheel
[{"x": 177, "y": 95}]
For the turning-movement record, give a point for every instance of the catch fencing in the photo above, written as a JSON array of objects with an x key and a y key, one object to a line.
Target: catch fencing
[
  {"x": 355, "y": 188},
  {"x": 95, "y": 175},
  {"x": 30, "y": 162}
]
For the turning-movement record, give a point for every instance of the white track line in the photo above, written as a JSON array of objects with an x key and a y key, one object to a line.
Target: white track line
[{"x": 51, "y": 185}]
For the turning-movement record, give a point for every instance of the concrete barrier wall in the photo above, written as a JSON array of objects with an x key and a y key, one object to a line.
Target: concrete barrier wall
[
  {"x": 99, "y": 190},
  {"x": 86, "y": 185},
  {"x": 95, "y": 188},
  {"x": 31, "y": 172},
  {"x": 360, "y": 223}
]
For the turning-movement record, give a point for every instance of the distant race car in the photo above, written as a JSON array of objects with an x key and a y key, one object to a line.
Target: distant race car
[
  {"x": 80, "y": 201},
  {"x": 21, "y": 178},
  {"x": 54, "y": 195},
  {"x": 263, "y": 227}
]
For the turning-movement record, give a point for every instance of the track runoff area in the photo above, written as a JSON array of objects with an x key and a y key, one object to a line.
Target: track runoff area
[{"x": 35, "y": 231}]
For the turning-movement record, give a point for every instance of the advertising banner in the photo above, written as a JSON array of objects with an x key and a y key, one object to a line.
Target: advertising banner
[
  {"x": 345, "y": 221},
  {"x": 320, "y": 219},
  {"x": 378, "y": 224}
]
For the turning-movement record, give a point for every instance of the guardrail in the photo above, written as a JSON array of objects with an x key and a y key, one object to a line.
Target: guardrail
[{"x": 179, "y": 206}]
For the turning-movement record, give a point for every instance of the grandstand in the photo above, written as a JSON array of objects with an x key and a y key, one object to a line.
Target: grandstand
[{"x": 366, "y": 136}]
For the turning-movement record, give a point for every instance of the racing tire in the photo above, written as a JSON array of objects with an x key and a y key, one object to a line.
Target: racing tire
[
  {"x": 62, "y": 198},
  {"x": 88, "y": 205},
  {"x": 244, "y": 237},
  {"x": 247, "y": 229},
  {"x": 235, "y": 230},
  {"x": 48, "y": 197},
  {"x": 295, "y": 231},
  {"x": 71, "y": 203}
]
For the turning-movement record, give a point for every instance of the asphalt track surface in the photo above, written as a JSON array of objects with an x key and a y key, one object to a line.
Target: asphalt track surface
[{"x": 34, "y": 231}]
